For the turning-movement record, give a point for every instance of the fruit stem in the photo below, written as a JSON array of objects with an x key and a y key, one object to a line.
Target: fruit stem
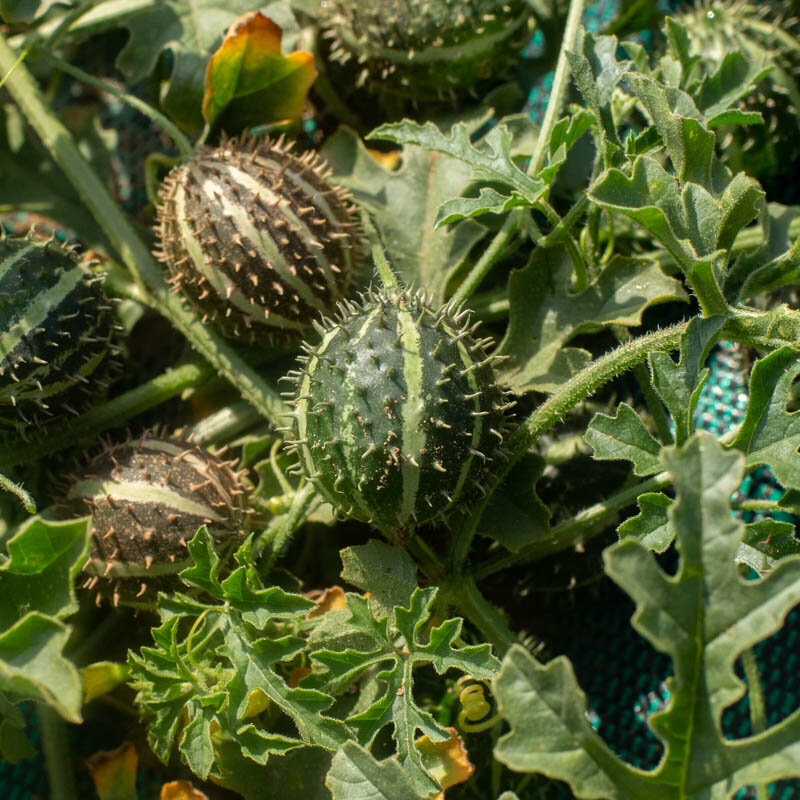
[
  {"x": 58, "y": 762},
  {"x": 385, "y": 272},
  {"x": 17, "y": 490},
  {"x": 272, "y": 542},
  {"x": 181, "y": 142}
]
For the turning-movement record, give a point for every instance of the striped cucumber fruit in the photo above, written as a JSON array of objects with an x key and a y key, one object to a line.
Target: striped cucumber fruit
[
  {"x": 257, "y": 239},
  {"x": 147, "y": 497},
  {"x": 397, "y": 412},
  {"x": 426, "y": 50},
  {"x": 56, "y": 334}
]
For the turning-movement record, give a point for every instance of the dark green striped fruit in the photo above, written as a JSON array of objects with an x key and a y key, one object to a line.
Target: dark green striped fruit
[
  {"x": 147, "y": 498},
  {"x": 397, "y": 412},
  {"x": 426, "y": 50},
  {"x": 257, "y": 239},
  {"x": 55, "y": 334}
]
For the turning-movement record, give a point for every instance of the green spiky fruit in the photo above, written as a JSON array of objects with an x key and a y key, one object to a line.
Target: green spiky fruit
[
  {"x": 426, "y": 50},
  {"x": 397, "y": 412},
  {"x": 767, "y": 33},
  {"x": 257, "y": 239},
  {"x": 56, "y": 330},
  {"x": 147, "y": 497}
]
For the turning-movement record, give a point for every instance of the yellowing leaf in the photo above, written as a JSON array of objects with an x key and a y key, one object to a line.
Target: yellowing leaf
[
  {"x": 181, "y": 790},
  {"x": 102, "y": 677},
  {"x": 250, "y": 81},
  {"x": 332, "y": 599},
  {"x": 448, "y": 761},
  {"x": 114, "y": 772}
]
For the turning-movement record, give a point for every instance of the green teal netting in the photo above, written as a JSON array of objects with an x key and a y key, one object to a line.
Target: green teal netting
[{"x": 621, "y": 674}]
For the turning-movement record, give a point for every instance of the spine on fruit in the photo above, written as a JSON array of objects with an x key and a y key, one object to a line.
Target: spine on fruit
[
  {"x": 397, "y": 411},
  {"x": 147, "y": 497},
  {"x": 257, "y": 239},
  {"x": 56, "y": 333}
]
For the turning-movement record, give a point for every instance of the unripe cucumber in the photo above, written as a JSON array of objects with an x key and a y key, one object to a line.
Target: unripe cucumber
[
  {"x": 397, "y": 412},
  {"x": 147, "y": 497},
  {"x": 257, "y": 239},
  {"x": 426, "y": 50},
  {"x": 56, "y": 332}
]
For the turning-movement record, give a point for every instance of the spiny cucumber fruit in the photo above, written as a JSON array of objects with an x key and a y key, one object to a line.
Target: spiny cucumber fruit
[
  {"x": 397, "y": 412},
  {"x": 56, "y": 334},
  {"x": 257, "y": 239},
  {"x": 147, "y": 497},
  {"x": 426, "y": 50}
]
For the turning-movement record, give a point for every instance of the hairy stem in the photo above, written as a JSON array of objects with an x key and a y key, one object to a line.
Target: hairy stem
[
  {"x": 17, "y": 490},
  {"x": 57, "y": 759},
  {"x": 133, "y": 252},
  {"x": 575, "y": 390}
]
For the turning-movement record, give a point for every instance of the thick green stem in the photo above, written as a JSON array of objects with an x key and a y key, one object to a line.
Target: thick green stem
[
  {"x": 513, "y": 222},
  {"x": 382, "y": 265},
  {"x": 133, "y": 253},
  {"x": 758, "y": 714},
  {"x": 182, "y": 143},
  {"x": 225, "y": 424},
  {"x": 489, "y": 257},
  {"x": 559, "y": 91},
  {"x": 575, "y": 390},
  {"x": 581, "y": 277},
  {"x": 57, "y": 759},
  {"x": 111, "y": 414},
  {"x": 575, "y": 530},
  {"x": 465, "y": 595},
  {"x": 277, "y": 536},
  {"x": 654, "y": 405}
]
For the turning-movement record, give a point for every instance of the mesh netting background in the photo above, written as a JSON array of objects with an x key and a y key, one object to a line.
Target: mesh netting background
[{"x": 621, "y": 674}]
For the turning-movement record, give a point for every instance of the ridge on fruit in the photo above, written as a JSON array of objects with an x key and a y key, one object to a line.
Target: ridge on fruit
[
  {"x": 56, "y": 333},
  {"x": 426, "y": 50},
  {"x": 256, "y": 238},
  {"x": 147, "y": 497},
  {"x": 397, "y": 411}
]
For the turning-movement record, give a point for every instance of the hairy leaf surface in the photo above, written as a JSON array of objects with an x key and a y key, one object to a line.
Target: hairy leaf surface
[
  {"x": 404, "y": 204},
  {"x": 704, "y": 618},
  {"x": 399, "y": 647},
  {"x": 545, "y": 314}
]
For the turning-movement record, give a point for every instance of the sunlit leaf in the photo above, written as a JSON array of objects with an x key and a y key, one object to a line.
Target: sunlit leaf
[
  {"x": 545, "y": 314},
  {"x": 420, "y": 644},
  {"x": 624, "y": 436},
  {"x": 189, "y": 31},
  {"x": 249, "y": 82},
  {"x": 704, "y": 617},
  {"x": 357, "y": 775},
  {"x": 403, "y": 204}
]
